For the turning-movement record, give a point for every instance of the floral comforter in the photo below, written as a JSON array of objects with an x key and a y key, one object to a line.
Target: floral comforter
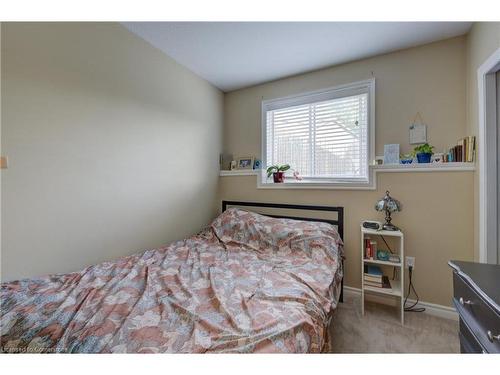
[{"x": 247, "y": 283}]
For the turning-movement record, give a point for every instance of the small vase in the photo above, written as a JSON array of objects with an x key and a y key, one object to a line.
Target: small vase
[
  {"x": 424, "y": 158},
  {"x": 279, "y": 177}
]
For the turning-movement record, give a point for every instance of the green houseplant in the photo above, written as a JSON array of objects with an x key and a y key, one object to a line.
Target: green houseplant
[
  {"x": 278, "y": 172},
  {"x": 424, "y": 153}
]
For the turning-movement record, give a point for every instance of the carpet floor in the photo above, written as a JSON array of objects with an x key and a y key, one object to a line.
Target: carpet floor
[{"x": 380, "y": 331}]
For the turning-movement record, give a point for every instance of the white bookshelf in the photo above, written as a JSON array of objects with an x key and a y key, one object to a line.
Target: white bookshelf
[{"x": 397, "y": 285}]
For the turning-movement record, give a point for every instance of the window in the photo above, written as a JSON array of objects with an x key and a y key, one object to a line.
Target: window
[{"x": 327, "y": 136}]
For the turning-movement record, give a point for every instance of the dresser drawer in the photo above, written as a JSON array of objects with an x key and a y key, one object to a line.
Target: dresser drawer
[
  {"x": 477, "y": 315},
  {"x": 468, "y": 342}
]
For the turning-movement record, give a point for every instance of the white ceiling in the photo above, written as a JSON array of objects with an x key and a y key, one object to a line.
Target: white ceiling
[{"x": 233, "y": 55}]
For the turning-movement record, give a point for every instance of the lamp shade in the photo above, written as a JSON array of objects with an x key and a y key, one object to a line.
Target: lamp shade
[{"x": 388, "y": 204}]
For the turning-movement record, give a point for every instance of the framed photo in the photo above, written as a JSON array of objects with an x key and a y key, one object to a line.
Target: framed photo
[
  {"x": 245, "y": 162},
  {"x": 391, "y": 154}
]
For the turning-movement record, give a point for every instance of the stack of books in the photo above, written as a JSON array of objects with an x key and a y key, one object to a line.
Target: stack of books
[
  {"x": 464, "y": 151},
  {"x": 374, "y": 277}
]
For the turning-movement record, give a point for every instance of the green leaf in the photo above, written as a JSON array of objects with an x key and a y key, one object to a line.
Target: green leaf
[
  {"x": 284, "y": 168},
  {"x": 423, "y": 149},
  {"x": 271, "y": 169}
]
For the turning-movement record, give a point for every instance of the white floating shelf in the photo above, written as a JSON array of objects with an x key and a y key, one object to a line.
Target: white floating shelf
[
  {"x": 238, "y": 172},
  {"x": 396, "y": 168},
  {"x": 425, "y": 167}
]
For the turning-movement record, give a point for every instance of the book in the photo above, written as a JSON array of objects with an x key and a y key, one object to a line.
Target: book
[
  {"x": 464, "y": 151},
  {"x": 373, "y": 270},
  {"x": 375, "y": 285},
  {"x": 372, "y": 278},
  {"x": 385, "y": 284}
]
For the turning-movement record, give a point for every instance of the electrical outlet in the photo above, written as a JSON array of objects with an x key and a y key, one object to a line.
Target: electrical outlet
[{"x": 410, "y": 262}]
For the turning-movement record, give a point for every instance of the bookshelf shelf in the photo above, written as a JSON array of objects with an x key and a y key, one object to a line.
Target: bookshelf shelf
[
  {"x": 382, "y": 262},
  {"x": 397, "y": 285},
  {"x": 387, "y": 233},
  {"x": 394, "y": 291}
]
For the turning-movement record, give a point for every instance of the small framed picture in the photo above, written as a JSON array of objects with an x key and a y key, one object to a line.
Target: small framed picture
[
  {"x": 244, "y": 162},
  {"x": 391, "y": 154}
]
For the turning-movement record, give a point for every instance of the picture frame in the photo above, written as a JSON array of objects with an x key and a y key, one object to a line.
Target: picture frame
[
  {"x": 391, "y": 154},
  {"x": 245, "y": 162}
]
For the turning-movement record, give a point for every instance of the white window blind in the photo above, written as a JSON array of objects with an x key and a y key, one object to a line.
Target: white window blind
[{"x": 323, "y": 135}]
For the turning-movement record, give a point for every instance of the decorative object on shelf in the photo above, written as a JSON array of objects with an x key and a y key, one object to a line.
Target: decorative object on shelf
[
  {"x": 424, "y": 153},
  {"x": 388, "y": 204},
  {"x": 278, "y": 172},
  {"x": 391, "y": 154},
  {"x": 418, "y": 130},
  {"x": 297, "y": 175},
  {"x": 225, "y": 161},
  {"x": 383, "y": 255},
  {"x": 372, "y": 224},
  {"x": 245, "y": 162},
  {"x": 406, "y": 158},
  {"x": 394, "y": 258},
  {"x": 257, "y": 164},
  {"x": 233, "y": 165},
  {"x": 438, "y": 157}
]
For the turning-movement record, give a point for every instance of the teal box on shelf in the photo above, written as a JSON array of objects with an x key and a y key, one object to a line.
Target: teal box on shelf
[{"x": 382, "y": 255}]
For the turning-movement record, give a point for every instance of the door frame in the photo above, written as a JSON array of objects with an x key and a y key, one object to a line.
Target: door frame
[{"x": 487, "y": 155}]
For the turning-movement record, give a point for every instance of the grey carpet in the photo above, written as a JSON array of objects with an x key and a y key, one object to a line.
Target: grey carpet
[{"x": 380, "y": 331}]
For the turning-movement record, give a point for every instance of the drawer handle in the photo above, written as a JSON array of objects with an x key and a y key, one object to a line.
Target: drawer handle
[
  {"x": 492, "y": 337},
  {"x": 465, "y": 302}
]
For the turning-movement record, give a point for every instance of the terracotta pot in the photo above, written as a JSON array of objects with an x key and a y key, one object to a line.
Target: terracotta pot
[{"x": 279, "y": 177}]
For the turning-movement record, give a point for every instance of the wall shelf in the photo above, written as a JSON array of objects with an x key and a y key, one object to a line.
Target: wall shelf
[
  {"x": 397, "y": 168},
  {"x": 238, "y": 172},
  {"x": 427, "y": 167},
  {"x": 371, "y": 185}
]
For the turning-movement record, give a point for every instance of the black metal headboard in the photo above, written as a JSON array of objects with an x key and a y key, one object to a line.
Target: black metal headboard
[{"x": 339, "y": 222}]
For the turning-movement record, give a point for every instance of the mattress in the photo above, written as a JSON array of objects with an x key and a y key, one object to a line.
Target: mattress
[{"x": 247, "y": 283}]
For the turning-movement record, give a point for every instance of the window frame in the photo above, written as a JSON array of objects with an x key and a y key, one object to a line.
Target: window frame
[{"x": 339, "y": 91}]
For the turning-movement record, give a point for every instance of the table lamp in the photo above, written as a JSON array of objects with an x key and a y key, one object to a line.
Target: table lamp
[{"x": 388, "y": 204}]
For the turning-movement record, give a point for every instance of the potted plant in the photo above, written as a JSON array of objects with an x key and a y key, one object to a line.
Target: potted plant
[
  {"x": 278, "y": 172},
  {"x": 424, "y": 153}
]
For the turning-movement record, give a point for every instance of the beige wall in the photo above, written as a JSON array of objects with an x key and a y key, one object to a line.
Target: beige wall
[
  {"x": 113, "y": 147},
  {"x": 438, "y": 207},
  {"x": 482, "y": 40}
]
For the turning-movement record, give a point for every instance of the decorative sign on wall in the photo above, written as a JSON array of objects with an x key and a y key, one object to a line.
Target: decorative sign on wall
[{"x": 418, "y": 131}]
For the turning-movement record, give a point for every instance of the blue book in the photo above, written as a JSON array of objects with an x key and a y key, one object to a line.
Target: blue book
[{"x": 374, "y": 270}]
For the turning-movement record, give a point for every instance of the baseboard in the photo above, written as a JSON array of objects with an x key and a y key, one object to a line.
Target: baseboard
[{"x": 430, "y": 308}]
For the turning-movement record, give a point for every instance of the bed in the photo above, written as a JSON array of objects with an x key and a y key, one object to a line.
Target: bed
[{"x": 247, "y": 283}]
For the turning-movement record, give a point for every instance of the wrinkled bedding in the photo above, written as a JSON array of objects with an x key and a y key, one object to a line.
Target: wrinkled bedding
[{"x": 247, "y": 283}]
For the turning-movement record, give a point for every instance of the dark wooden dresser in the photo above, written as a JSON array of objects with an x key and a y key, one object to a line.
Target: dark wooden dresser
[{"x": 476, "y": 295}]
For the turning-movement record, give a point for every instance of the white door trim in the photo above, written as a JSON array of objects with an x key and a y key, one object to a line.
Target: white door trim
[{"x": 487, "y": 155}]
